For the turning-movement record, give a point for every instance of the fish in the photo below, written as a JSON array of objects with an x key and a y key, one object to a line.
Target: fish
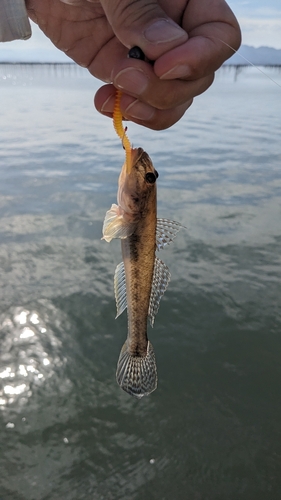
[{"x": 141, "y": 278}]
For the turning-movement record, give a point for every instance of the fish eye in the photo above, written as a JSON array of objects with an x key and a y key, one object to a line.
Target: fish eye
[{"x": 150, "y": 177}]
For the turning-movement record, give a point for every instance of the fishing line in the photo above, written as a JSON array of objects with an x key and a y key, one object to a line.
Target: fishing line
[{"x": 245, "y": 59}]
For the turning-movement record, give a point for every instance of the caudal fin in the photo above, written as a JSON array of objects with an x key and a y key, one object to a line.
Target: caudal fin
[{"x": 137, "y": 375}]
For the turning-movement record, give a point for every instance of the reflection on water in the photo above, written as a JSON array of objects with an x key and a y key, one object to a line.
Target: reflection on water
[
  {"x": 30, "y": 354},
  {"x": 211, "y": 430}
]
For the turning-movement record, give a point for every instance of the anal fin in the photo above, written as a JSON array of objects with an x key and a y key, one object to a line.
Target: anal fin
[{"x": 120, "y": 289}]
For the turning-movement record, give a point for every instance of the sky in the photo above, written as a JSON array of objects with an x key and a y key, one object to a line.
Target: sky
[{"x": 260, "y": 21}]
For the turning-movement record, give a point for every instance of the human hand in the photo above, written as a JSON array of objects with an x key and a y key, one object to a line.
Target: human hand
[{"x": 188, "y": 40}]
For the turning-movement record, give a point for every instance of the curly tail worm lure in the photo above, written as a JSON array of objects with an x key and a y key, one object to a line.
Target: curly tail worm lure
[
  {"x": 120, "y": 131},
  {"x": 134, "y": 53}
]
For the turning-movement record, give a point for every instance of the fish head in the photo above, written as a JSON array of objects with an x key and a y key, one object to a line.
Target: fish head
[{"x": 137, "y": 184}]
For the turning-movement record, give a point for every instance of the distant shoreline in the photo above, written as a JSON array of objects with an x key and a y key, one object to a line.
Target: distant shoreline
[
  {"x": 226, "y": 64},
  {"x": 245, "y": 56}
]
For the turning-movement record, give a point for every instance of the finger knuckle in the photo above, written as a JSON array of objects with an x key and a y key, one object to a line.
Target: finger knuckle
[{"x": 131, "y": 12}]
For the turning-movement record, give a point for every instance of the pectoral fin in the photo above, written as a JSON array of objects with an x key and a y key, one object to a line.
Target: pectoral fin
[
  {"x": 120, "y": 289},
  {"x": 161, "y": 278},
  {"x": 166, "y": 231},
  {"x": 115, "y": 225}
]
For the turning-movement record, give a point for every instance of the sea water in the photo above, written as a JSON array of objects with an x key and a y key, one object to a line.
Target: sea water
[{"x": 211, "y": 431}]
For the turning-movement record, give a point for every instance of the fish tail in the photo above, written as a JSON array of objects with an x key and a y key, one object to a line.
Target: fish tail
[{"x": 137, "y": 375}]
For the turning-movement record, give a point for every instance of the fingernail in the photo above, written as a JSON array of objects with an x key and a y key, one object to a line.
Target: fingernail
[
  {"x": 139, "y": 111},
  {"x": 164, "y": 30},
  {"x": 108, "y": 105},
  {"x": 177, "y": 72},
  {"x": 131, "y": 80}
]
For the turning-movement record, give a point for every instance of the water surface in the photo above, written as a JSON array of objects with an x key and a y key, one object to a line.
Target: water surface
[{"x": 211, "y": 431}]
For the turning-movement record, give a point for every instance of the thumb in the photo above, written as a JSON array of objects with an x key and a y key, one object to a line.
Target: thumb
[{"x": 143, "y": 24}]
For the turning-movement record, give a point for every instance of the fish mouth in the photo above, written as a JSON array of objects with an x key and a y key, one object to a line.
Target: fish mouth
[
  {"x": 129, "y": 160},
  {"x": 136, "y": 154},
  {"x": 138, "y": 157},
  {"x": 132, "y": 159}
]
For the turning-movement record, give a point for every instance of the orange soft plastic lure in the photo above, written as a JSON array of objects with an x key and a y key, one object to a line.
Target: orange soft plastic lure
[{"x": 120, "y": 131}]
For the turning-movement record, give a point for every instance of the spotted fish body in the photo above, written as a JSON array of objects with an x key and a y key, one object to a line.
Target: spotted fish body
[{"x": 141, "y": 278}]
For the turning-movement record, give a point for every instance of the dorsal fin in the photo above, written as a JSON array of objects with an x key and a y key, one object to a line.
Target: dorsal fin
[{"x": 120, "y": 289}]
